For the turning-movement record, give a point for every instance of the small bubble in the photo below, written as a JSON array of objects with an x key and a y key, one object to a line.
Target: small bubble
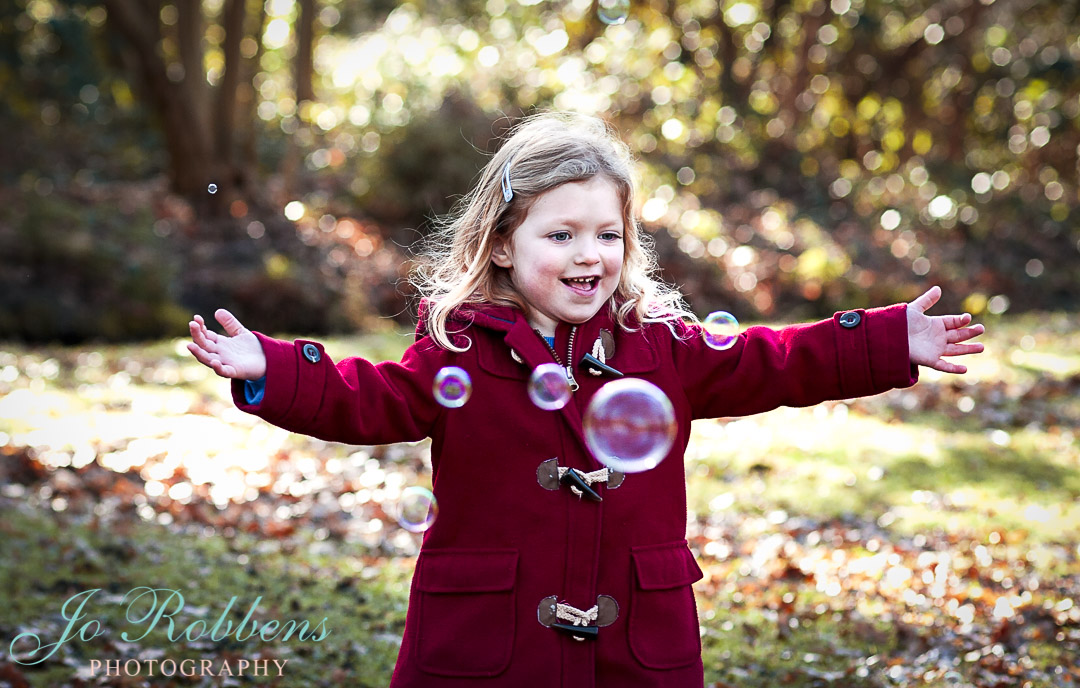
[
  {"x": 452, "y": 387},
  {"x": 417, "y": 509},
  {"x": 548, "y": 387},
  {"x": 212, "y": 188},
  {"x": 630, "y": 425},
  {"x": 612, "y": 12},
  {"x": 721, "y": 330}
]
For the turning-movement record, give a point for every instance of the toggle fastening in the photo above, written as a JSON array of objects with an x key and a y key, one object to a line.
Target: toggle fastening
[
  {"x": 578, "y": 624},
  {"x": 579, "y": 482},
  {"x": 551, "y": 476}
]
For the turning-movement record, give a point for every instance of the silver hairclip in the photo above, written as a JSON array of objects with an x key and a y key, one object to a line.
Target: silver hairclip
[{"x": 508, "y": 193}]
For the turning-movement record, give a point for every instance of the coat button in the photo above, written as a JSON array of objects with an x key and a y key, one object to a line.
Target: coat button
[
  {"x": 850, "y": 319},
  {"x": 311, "y": 353}
]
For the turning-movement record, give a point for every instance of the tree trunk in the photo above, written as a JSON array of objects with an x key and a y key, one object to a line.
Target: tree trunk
[
  {"x": 305, "y": 44},
  {"x": 226, "y": 106},
  {"x": 190, "y": 31},
  {"x": 731, "y": 93},
  {"x": 290, "y": 161},
  {"x": 248, "y": 125},
  {"x": 189, "y": 156}
]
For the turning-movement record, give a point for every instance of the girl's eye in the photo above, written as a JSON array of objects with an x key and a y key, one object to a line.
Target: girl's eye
[
  {"x": 611, "y": 236},
  {"x": 560, "y": 236}
]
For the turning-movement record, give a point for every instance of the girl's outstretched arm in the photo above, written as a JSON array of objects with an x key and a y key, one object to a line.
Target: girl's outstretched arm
[
  {"x": 237, "y": 354},
  {"x": 932, "y": 337}
]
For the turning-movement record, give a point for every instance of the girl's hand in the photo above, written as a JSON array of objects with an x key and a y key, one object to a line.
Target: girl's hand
[
  {"x": 931, "y": 337},
  {"x": 239, "y": 355}
]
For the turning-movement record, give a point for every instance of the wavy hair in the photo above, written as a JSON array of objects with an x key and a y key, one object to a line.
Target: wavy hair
[{"x": 542, "y": 152}]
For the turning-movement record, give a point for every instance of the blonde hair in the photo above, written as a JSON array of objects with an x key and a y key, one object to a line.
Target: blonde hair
[{"x": 543, "y": 151}]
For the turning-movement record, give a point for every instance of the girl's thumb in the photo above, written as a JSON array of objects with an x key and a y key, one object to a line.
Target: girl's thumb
[{"x": 229, "y": 322}]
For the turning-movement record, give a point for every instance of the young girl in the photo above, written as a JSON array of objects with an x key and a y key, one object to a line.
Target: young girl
[{"x": 544, "y": 568}]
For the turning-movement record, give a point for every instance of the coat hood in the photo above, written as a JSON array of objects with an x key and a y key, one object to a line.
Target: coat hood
[{"x": 497, "y": 318}]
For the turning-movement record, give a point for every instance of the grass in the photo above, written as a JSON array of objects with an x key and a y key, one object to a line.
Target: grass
[
  {"x": 47, "y": 559},
  {"x": 784, "y": 507}
]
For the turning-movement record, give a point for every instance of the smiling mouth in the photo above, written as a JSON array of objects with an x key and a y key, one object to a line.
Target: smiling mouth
[{"x": 582, "y": 284}]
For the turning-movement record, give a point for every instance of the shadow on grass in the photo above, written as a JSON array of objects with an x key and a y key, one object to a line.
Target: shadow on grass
[{"x": 999, "y": 470}]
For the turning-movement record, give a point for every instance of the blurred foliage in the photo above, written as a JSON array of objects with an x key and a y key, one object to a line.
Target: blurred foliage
[
  {"x": 99, "y": 277},
  {"x": 797, "y": 156}
]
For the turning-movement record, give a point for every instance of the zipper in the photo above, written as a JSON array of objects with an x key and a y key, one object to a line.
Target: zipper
[{"x": 569, "y": 357}]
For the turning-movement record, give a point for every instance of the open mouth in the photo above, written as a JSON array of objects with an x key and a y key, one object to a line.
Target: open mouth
[{"x": 584, "y": 285}]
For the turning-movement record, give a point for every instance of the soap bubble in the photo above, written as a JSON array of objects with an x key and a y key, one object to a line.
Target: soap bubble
[
  {"x": 721, "y": 330},
  {"x": 417, "y": 509},
  {"x": 548, "y": 387},
  {"x": 630, "y": 425},
  {"x": 612, "y": 12},
  {"x": 452, "y": 387},
  {"x": 212, "y": 188}
]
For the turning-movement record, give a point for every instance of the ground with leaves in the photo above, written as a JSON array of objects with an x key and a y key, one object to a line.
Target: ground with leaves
[{"x": 928, "y": 536}]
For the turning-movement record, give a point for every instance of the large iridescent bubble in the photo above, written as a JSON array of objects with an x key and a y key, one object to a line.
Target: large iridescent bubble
[{"x": 630, "y": 425}]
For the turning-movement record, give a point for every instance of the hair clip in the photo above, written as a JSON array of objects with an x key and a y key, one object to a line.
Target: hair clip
[{"x": 508, "y": 193}]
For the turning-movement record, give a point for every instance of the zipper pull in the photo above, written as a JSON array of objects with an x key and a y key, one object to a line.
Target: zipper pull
[
  {"x": 570, "y": 362},
  {"x": 570, "y": 376}
]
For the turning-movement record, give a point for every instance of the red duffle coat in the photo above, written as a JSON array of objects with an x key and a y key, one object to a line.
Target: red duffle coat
[{"x": 507, "y": 543}]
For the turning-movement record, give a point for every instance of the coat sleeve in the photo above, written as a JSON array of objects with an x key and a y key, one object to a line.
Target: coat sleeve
[
  {"x": 800, "y": 365},
  {"x": 353, "y": 401}
]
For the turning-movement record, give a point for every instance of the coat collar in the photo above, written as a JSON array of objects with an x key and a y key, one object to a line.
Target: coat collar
[{"x": 633, "y": 352}]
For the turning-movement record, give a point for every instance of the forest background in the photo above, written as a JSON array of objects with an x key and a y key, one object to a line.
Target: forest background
[{"x": 797, "y": 157}]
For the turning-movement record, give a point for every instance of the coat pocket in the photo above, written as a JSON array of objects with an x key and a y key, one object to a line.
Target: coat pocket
[
  {"x": 465, "y": 622},
  {"x": 663, "y": 625}
]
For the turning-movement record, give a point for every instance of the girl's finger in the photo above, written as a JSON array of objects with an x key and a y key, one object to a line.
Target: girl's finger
[
  {"x": 963, "y": 334},
  {"x": 948, "y": 367},
  {"x": 198, "y": 334},
  {"x": 962, "y": 349},
  {"x": 200, "y": 354},
  {"x": 953, "y": 322},
  {"x": 928, "y": 299},
  {"x": 206, "y": 331}
]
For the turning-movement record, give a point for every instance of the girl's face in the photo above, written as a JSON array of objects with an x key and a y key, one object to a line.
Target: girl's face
[{"x": 566, "y": 257}]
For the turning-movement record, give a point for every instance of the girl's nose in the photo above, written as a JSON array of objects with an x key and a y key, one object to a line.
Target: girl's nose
[{"x": 587, "y": 254}]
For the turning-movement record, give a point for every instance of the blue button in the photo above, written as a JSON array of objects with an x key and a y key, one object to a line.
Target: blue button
[
  {"x": 850, "y": 319},
  {"x": 311, "y": 353}
]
